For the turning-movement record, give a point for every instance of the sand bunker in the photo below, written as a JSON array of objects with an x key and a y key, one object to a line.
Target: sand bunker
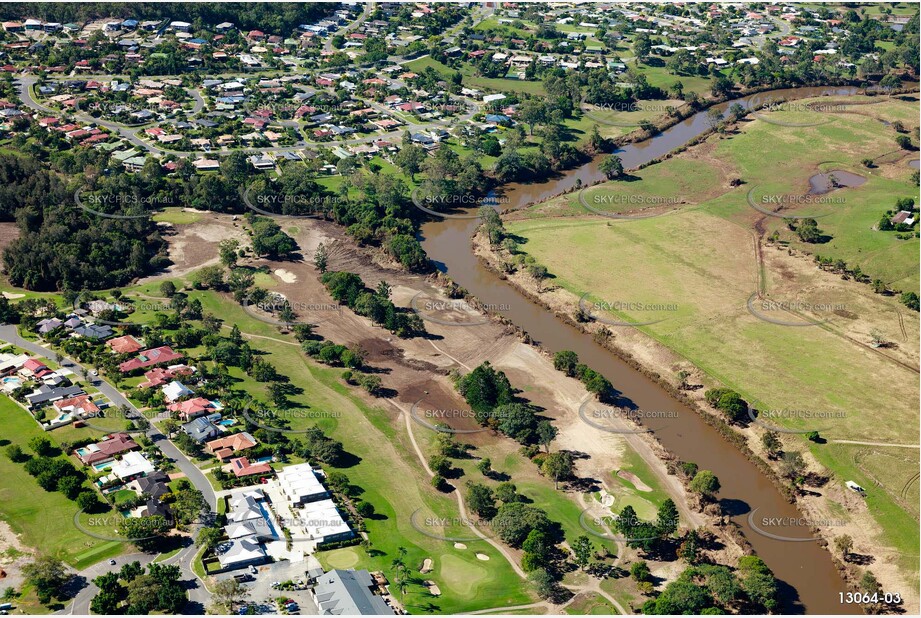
[
  {"x": 460, "y": 546},
  {"x": 426, "y": 566},
  {"x": 482, "y": 557},
  {"x": 285, "y": 275},
  {"x": 629, "y": 476},
  {"x": 12, "y": 295}
]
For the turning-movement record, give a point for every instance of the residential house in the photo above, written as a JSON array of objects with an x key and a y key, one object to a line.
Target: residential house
[
  {"x": 131, "y": 466},
  {"x": 300, "y": 484},
  {"x": 224, "y": 448},
  {"x": 106, "y": 450},
  {"x": 150, "y": 358},
  {"x": 159, "y": 376},
  {"x": 242, "y": 467},
  {"x": 176, "y": 390},
  {"x": 124, "y": 345},
  {"x": 45, "y": 394},
  {"x": 200, "y": 429},
  {"x": 192, "y": 408}
]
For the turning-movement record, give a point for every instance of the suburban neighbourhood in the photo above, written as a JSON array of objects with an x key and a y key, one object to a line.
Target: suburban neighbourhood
[{"x": 385, "y": 308}]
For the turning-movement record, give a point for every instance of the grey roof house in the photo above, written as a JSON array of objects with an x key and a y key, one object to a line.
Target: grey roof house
[{"x": 342, "y": 592}]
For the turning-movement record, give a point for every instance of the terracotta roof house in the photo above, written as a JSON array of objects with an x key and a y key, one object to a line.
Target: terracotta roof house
[
  {"x": 241, "y": 467},
  {"x": 107, "y": 449},
  {"x": 80, "y": 405},
  {"x": 150, "y": 358},
  {"x": 124, "y": 345},
  {"x": 192, "y": 408},
  {"x": 224, "y": 448},
  {"x": 159, "y": 376}
]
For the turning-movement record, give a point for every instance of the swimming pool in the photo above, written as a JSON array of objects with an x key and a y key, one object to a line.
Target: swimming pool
[
  {"x": 227, "y": 422},
  {"x": 12, "y": 380},
  {"x": 103, "y": 466}
]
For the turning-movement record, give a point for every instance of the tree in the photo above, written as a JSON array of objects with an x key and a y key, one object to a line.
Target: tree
[
  {"x": 612, "y": 167},
  {"x": 869, "y": 583},
  {"x": 566, "y": 361},
  {"x": 484, "y": 466},
  {"x": 16, "y": 454},
  {"x": 229, "y": 250},
  {"x": 542, "y": 582},
  {"x": 705, "y": 483},
  {"x": 410, "y": 159},
  {"x": 48, "y": 576},
  {"x": 639, "y": 571},
  {"x": 557, "y": 466},
  {"x": 480, "y": 499},
  {"x": 321, "y": 258},
  {"x": 168, "y": 288},
  {"x": 667, "y": 518},
  {"x": 903, "y": 141},
  {"x": 227, "y": 593},
  {"x": 440, "y": 465},
  {"x": 41, "y": 446},
  {"x": 582, "y": 550},
  {"x": 546, "y": 433},
  {"x": 87, "y": 501},
  {"x": 364, "y": 508},
  {"x": 771, "y": 443},
  {"x": 515, "y": 520},
  {"x": 844, "y": 544},
  {"x": 507, "y": 492},
  {"x": 70, "y": 486}
]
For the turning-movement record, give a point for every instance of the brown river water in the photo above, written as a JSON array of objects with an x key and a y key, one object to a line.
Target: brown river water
[{"x": 809, "y": 581}]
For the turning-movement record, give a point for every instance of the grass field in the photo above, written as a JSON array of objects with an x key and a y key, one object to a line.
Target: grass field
[
  {"x": 700, "y": 258},
  {"x": 176, "y": 216}
]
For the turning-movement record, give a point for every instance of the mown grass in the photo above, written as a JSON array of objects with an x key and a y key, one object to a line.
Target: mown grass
[{"x": 701, "y": 258}]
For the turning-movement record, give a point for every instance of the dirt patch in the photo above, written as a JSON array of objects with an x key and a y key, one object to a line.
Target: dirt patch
[
  {"x": 13, "y": 557},
  {"x": 194, "y": 245}
]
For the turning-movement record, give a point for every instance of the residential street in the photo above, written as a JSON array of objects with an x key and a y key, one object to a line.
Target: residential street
[{"x": 198, "y": 595}]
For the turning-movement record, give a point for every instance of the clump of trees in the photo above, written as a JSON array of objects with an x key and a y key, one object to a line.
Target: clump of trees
[
  {"x": 350, "y": 290},
  {"x": 134, "y": 591},
  {"x": 567, "y": 361},
  {"x": 729, "y": 403}
]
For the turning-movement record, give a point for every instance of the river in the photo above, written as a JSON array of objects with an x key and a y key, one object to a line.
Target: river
[{"x": 809, "y": 581}]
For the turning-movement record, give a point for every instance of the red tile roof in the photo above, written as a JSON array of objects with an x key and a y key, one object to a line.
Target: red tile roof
[
  {"x": 242, "y": 467},
  {"x": 149, "y": 358}
]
